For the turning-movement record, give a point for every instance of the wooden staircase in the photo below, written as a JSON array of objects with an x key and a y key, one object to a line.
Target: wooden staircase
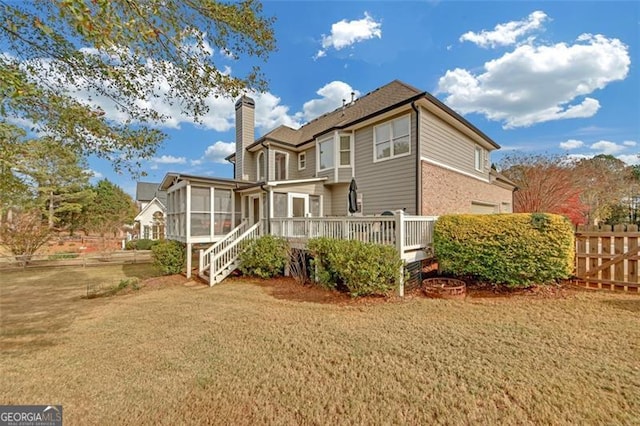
[{"x": 221, "y": 259}]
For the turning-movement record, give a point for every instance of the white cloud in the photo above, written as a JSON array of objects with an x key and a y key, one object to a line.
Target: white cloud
[
  {"x": 217, "y": 152},
  {"x": 629, "y": 143},
  {"x": 607, "y": 147},
  {"x": 630, "y": 159},
  {"x": 534, "y": 84},
  {"x": 507, "y": 33},
  {"x": 346, "y": 33},
  {"x": 169, "y": 159},
  {"x": 571, "y": 144},
  {"x": 331, "y": 98},
  {"x": 93, "y": 173}
]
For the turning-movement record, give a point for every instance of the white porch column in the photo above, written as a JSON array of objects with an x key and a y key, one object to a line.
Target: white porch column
[
  {"x": 400, "y": 247},
  {"x": 189, "y": 255}
]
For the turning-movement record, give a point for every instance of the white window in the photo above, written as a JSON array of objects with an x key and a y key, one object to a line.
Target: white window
[
  {"x": 280, "y": 168},
  {"x": 345, "y": 150},
  {"x": 302, "y": 160},
  {"x": 392, "y": 139},
  {"x": 479, "y": 158},
  {"x": 325, "y": 147},
  {"x": 260, "y": 166}
]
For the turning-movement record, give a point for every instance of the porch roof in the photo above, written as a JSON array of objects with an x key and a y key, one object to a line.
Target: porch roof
[{"x": 172, "y": 178}]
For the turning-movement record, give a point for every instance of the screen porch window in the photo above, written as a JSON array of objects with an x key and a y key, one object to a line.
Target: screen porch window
[
  {"x": 325, "y": 147},
  {"x": 314, "y": 205},
  {"x": 392, "y": 139},
  {"x": 200, "y": 211},
  {"x": 279, "y": 204},
  {"x": 222, "y": 211}
]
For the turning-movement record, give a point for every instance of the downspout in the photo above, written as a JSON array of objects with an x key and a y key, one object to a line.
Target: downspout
[
  {"x": 418, "y": 162},
  {"x": 262, "y": 187}
]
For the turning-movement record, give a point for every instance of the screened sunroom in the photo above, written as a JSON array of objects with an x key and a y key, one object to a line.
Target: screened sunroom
[{"x": 199, "y": 210}]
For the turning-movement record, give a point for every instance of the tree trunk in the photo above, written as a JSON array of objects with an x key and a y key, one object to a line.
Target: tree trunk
[{"x": 51, "y": 210}]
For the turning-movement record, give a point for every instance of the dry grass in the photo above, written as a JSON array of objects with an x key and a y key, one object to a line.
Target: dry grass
[{"x": 245, "y": 353}]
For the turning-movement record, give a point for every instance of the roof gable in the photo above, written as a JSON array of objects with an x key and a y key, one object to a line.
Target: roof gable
[{"x": 147, "y": 191}]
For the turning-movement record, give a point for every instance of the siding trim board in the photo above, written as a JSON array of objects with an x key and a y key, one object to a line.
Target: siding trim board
[{"x": 453, "y": 169}]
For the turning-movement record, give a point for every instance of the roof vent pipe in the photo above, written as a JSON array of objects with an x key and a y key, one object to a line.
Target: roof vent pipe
[{"x": 353, "y": 96}]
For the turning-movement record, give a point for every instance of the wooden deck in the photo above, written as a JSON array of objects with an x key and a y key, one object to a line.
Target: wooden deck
[{"x": 411, "y": 235}]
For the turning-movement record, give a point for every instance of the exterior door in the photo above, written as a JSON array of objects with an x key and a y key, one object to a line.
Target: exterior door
[{"x": 255, "y": 209}]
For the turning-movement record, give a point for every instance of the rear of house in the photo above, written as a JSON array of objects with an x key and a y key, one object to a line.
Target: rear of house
[{"x": 406, "y": 151}]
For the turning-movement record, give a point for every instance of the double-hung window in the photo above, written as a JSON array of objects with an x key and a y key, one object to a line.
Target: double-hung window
[
  {"x": 392, "y": 139},
  {"x": 302, "y": 160},
  {"x": 280, "y": 168},
  {"x": 345, "y": 150}
]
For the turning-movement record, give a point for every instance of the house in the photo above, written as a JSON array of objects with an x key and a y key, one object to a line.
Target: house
[
  {"x": 151, "y": 201},
  {"x": 406, "y": 150}
]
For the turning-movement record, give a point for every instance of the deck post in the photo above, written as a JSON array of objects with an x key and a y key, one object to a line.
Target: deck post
[
  {"x": 200, "y": 261},
  {"x": 400, "y": 248},
  {"x": 189, "y": 254}
]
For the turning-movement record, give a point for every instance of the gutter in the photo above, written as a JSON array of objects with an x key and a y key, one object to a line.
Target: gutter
[{"x": 418, "y": 162}]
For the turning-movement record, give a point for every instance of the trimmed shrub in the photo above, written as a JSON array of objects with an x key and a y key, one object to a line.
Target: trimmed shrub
[
  {"x": 143, "y": 244},
  {"x": 169, "y": 256},
  {"x": 264, "y": 257},
  {"x": 63, "y": 255},
  {"x": 362, "y": 269},
  {"x": 515, "y": 250}
]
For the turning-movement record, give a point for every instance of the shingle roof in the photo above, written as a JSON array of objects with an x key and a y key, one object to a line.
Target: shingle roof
[
  {"x": 147, "y": 191},
  {"x": 380, "y": 100},
  {"x": 386, "y": 96}
]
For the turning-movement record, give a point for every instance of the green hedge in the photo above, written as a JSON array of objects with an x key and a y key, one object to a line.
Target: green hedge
[
  {"x": 169, "y": 256},
  {"x": 360, "y": 268},
  {"x": 265, "y": 257},
  {"x": 142, "y": 244},
  {"x": 516, "y": 250}
]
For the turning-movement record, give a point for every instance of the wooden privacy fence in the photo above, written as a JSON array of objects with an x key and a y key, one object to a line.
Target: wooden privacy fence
[{"x": 607, "y": 257}]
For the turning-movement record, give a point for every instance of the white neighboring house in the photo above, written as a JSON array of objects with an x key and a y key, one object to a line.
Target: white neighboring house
[{"x": 151, "y": 219}]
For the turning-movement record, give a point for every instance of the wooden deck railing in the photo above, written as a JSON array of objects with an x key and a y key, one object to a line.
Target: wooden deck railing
[{"x": 406, "y": 233}]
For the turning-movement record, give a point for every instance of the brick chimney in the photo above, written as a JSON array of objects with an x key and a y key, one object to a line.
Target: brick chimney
[{"x": 245, "y": 133}]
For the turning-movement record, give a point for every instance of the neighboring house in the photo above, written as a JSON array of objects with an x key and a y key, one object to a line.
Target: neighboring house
[
  {"x": 152, "y": 216},
  {"x": 406, "y": 150}
]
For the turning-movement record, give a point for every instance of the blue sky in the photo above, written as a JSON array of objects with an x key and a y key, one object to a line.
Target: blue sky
[{"x": 538, "y": 77}]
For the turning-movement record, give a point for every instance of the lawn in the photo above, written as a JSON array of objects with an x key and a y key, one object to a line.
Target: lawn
[{"x": 251, "y": 352}]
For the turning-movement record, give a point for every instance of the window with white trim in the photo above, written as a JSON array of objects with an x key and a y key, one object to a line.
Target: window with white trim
[
  {"x": 392, "y": 139},
  {"x": 280, "y": 169},
  {"x": 302, "y": 160},
  {"x": 325, "y": 156},
  {"x": 260, "y": 166},
  {"x": 345, "y": 150},
  {"x": 479, "y": 158}
]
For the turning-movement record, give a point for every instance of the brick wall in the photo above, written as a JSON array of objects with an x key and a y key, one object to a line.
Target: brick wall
[{"x": 445, "y": 191}]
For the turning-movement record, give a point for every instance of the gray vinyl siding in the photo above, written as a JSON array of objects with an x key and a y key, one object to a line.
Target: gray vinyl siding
[
  {"x": 344, "y": 174},
  {"x": 339, "y": 194},
  {"x": 310, "y": 169},
  {"x": 389, "y": 184},
  {"x": 448, "y": 146},
  {"x": 250, "y": 165},
  {"x": 328, "y": 174}
]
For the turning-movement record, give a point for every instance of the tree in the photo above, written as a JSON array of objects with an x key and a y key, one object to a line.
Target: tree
[
  {"x": 24, "y": 234},
  {"x": 12, "y": 190},
  {"x": 604, "y": 180},
  {"x": 110, "y": 209},
  {"x": 545, "y": 185},
  {"x": 61, "y": 56},
  {"x": 57, "y": 178}
]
